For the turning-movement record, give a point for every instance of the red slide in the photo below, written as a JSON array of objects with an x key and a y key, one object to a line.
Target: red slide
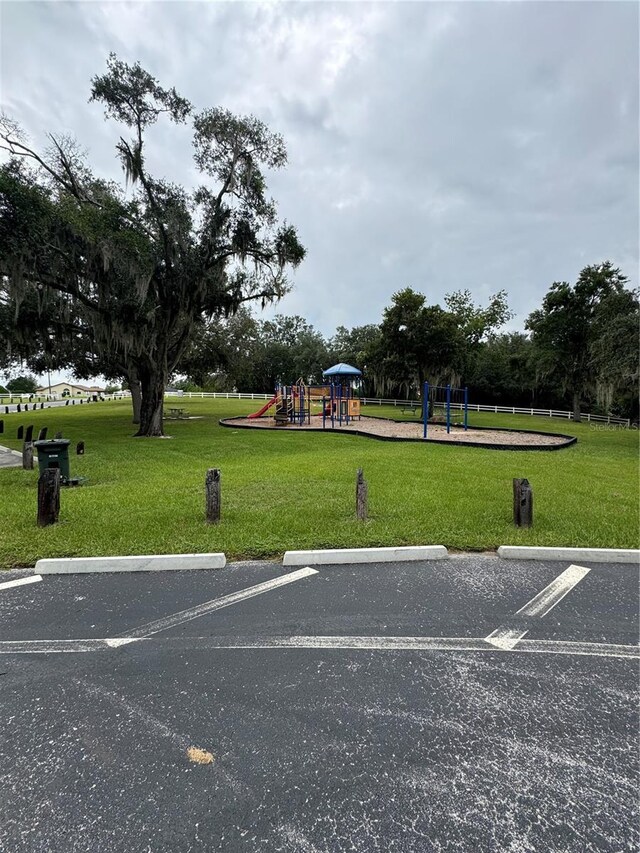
[{"x": 266, "y": 406}]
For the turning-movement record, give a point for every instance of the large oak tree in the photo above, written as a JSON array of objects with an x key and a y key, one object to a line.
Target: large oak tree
[{"x": 134, "y": 272}]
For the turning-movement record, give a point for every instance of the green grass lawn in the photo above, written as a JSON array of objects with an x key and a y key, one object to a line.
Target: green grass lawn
[{"x": 288, "y": 490}]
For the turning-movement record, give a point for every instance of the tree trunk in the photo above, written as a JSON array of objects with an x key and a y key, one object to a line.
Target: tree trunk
[
  {"x": 151, "y": 409},
  {"x": 136, "y": 393},
  {"x": 577, "y": 417}
]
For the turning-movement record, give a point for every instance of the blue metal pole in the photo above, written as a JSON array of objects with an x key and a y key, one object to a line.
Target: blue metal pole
[
  {"x": 333, "y": 401},
  {"x": 448, "y": 409},
  {"x": 425, "y": 408},
  {"x": 466, "y": 408},
  {"x": 324, "y": 412}
]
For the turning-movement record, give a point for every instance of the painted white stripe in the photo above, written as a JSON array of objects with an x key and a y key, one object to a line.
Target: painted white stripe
[
  {"x": 395, "y": 644},
  {"x": 562, "y": 647},
  {"x": 218, "y": 603},
  {"x": 399, "y": 644},
  {"x": 505, "y": 637},
  {"x": 46, "y": 647},
  {"x": 331, "y": 642},
  {"x": 552, "y": 594},
  {"x": 21, "y": 581}
]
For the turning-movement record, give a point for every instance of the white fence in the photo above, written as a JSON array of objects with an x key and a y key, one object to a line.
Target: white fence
[
  {"x": 509, "y": 410},
  {"x": 377, "y": 401},
  {"x": 369, "y": 401}
]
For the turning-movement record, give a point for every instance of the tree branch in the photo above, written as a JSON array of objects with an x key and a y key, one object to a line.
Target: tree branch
[{"x": 150, "y": 197}]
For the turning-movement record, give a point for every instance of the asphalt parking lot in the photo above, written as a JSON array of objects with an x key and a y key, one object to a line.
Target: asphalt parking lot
[{"x": 472, "y": 704}]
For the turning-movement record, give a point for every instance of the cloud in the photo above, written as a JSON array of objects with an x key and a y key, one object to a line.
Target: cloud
[{"x": 435, "y": 145}]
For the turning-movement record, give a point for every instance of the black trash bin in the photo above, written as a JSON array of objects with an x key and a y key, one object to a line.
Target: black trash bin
[{"x": 54, "y": 454}]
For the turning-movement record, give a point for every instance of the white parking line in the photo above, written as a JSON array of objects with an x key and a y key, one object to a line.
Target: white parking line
[
  {"x": 48, "y": 647},
  {"x": 505, "y": 637},
  {"x": 552, "y": 594},
  {"x": 508, "y": 636},
  {"x": 400, "y": 644},
  {"x": 21, "y": 581},
  {"x": 385, "y": 644},
  {"x": 217, "y": 604}
]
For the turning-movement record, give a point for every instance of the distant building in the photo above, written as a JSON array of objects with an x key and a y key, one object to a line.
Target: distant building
[{"x": 69, "y": 389}]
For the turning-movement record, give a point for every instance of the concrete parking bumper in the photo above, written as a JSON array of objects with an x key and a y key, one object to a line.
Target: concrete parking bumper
[
  {"x": 340, "y": 556},
  {"x": 148, "y": 563}
]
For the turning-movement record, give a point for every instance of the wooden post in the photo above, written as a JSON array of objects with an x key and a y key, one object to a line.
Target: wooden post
[
  {"x": 28, "y": 436},
  {"x": 27, "y": 456},
  {"x": 48, "y": 497},
  {"x": 1, "y": 426},
  {"x": 18, "y": 408},
  {"x": 42, "y": 435},
  {"x": 79, "y": 448},
  {"x": 212, "y": 495},
  {"x": 362, "y": 491},
  {"x": 20, "y": 432},
  {"x": 522, "y": 503}
]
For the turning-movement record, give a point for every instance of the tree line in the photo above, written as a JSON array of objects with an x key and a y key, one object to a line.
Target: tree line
[{"x": 578, "y": 350}]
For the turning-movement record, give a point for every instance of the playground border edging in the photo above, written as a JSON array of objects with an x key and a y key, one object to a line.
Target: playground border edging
[
  {"x": 588, "y": 555},
  {"x": 570, "y": 439},
  {"x": 142, "y": 563}
]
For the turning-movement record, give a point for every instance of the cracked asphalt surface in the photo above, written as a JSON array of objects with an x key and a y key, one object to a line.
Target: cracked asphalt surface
[{"x": 321, "y": 749}]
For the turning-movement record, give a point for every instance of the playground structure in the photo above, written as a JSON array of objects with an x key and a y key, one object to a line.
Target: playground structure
[
  {"x": 335, "y": 401},
  {"x": 339, "y": 407},
  {"x": 437, "y": 401}
]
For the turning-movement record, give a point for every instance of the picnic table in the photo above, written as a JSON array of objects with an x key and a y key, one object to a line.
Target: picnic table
[
  {"x": 177, "y": 413},
  {"x": 409, "y": 408}
]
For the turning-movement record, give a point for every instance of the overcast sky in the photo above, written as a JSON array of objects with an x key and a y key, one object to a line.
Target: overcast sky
[{"x": 483, "y": 145}]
